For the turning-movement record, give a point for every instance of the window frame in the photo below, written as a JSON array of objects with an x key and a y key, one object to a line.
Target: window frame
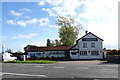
[
  {"x": 95, "y": 53},
  {"x": 84, "y": 45},
  {"x": 93, "y": 45},
  {"x": 83, "y": 53},
  {"x": 74, "y": 53}
]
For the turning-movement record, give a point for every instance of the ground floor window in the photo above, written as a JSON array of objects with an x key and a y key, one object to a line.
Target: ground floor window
[
  {"x": 94, "y": 53},
  {"x": 73, "y": 53},
  {"x": 32, "y": 54},
  {"x": 83, "y": 53},
  {"x": 39, "y": 54}
]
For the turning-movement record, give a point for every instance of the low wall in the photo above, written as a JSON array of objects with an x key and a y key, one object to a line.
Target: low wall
[{"x": 113, "y": 59}]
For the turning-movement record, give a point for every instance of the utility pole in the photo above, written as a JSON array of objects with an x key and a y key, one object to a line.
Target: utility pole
[{"x": 2, "y": 51}]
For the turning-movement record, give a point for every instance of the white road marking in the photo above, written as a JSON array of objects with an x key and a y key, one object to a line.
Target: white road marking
[
  {"x": 82, "y": 68},
  {"x": 58, "y": 67},
  {"x": 109, "y": 69},
  {"x": 21, "y": 74},
  {"x": 1, "y": 73},
  {"x": 38, "y": 66}
]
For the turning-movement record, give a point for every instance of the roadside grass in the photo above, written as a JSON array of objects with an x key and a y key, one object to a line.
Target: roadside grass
[
  {"x": 104, "y": 62},
  {"x": 31, "y": 61},
  {"x": 107, "y": 62}
]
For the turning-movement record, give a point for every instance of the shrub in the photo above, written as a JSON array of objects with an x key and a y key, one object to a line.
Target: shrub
[{"x": 113, "y": 52}]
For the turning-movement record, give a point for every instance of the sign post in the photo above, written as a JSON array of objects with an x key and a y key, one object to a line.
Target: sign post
[{"x": 24, "y": 58}]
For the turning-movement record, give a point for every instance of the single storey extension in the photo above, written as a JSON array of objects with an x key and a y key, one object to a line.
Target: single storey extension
[{"x": 87, "y": 47}]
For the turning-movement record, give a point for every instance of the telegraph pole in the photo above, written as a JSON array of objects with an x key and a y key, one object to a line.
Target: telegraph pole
[{"x": 2, "y": 51}]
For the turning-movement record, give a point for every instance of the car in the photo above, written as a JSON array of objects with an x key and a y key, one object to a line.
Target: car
[{"x": 9, "y": 57}]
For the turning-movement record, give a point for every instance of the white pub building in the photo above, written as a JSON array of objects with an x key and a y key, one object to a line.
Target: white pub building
[{"x": 87, "y": 47}]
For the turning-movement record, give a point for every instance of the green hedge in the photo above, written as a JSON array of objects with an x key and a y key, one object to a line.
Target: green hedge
[
  {"x": 31, "y": 61},
  {"x": 114, "y": 52}
]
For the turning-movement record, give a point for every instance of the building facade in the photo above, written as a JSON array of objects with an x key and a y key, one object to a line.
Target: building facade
[{"x": 87, "y": 47}]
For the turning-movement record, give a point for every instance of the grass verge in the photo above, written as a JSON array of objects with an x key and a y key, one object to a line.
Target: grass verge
[{"x": 31, "y": 61}]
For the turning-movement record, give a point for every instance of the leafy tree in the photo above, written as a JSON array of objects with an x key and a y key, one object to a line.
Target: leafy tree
[
  {"x": 9, "y": 51},
  {"x": 57, "y": 42},
  {"x": 48, "y": 42},
  {"x": 112, "y": 52},
  {"x": 68, "y": 32},
  {"x": 53, "y": 43}
]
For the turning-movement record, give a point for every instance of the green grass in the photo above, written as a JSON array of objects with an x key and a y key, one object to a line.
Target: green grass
[{"x": 31, "y": 61}]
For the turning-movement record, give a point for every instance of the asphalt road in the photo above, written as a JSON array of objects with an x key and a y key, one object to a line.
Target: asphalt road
[{"x": 65, "y": 69}]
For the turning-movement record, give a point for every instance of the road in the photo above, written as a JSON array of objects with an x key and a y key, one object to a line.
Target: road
[{"x": 63, "y": 69}]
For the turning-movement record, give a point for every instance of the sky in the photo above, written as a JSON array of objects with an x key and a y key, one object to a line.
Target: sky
[{"x": 24, "y": 23}]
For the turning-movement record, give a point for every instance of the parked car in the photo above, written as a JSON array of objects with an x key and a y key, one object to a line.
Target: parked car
[{"x": 9, "y": 57}]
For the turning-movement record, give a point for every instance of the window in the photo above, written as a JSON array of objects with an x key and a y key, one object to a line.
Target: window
[
  {"x": 92, "y": 45},
  {"x": 84, "y": 45},
  {"x": 11, "y": 56},
  {"x": 32, "y": 54},
  {"x": 73, "y": 53},
  {"x": 39, "y": 54},
  {"x": 83, "y": 53},
  {"x": 94, "y": 53}
]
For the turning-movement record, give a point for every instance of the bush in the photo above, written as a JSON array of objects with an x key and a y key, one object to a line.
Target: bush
[
  {"x": 113, "y": 52},
  {"x": 31, "y": 61}
]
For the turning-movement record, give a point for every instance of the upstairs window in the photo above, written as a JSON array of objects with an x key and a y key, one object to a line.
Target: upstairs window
[
  {"x": 93, "y": 45},
  {"x": 84, "y": 45}
]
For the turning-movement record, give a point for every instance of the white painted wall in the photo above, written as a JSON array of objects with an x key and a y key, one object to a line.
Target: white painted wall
[
  {"x": 74, "y": 56},
  {"x": 79, "y": 46},
  {"x": 47, "y": 54},
  {"x": 98, "y": 47}
]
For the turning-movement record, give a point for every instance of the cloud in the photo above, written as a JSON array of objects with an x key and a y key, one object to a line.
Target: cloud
[
  {"x": 32, "y": 21},
  {"x": 28, "y": 17},
  {"x": 49, "y": 11},
  {"x": 98, "y": 16},
  {"x": 25, "y": 9},
  {"x": 24, "y": 23},
  {"x": 54, "y": 26},
  {"x": 10, "y": 22},
  {"x": 0, "y": 19},
  {"x": 41, "y": 3},
  {"x": 21, "y": 36},
  {"x": 15, "y": 13},
  {"x": 43, "y": 21},
  {"x": 63, "y": 7}
]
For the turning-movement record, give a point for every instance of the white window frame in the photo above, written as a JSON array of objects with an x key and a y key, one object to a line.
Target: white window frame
[
  {"x": 83, "y": 53},
  {"x": 84, "y": 45},
  {"x": 95, "y": 53},
  {"x": 93, "y": 45}
]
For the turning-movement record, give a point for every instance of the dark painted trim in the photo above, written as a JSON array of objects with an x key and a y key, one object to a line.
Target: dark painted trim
[
  {"x": 74, "y": 49},
  {"x": 84, "y": 36},
  {"x": 92, "y": 34},
  {"x": 49, "y": 50}
]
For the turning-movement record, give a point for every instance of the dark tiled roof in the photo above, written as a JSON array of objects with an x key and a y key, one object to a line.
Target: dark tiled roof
[{"x": 57, "y": 48}]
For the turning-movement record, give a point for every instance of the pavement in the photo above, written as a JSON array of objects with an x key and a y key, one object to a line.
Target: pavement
[{"x": 62, "y": 69}]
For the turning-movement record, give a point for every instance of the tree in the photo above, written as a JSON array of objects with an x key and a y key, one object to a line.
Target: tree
[
  {"x": 48, "y": 42},
  {"x": 53, "y": 43},
  {"x": 9, "y": 51},
  {"x": 57, "y": 42},
  {"x": 68, "y": 32}
]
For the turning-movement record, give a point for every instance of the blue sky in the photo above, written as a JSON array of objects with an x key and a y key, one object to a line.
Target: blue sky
[{"x": 34, "y": 22}]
